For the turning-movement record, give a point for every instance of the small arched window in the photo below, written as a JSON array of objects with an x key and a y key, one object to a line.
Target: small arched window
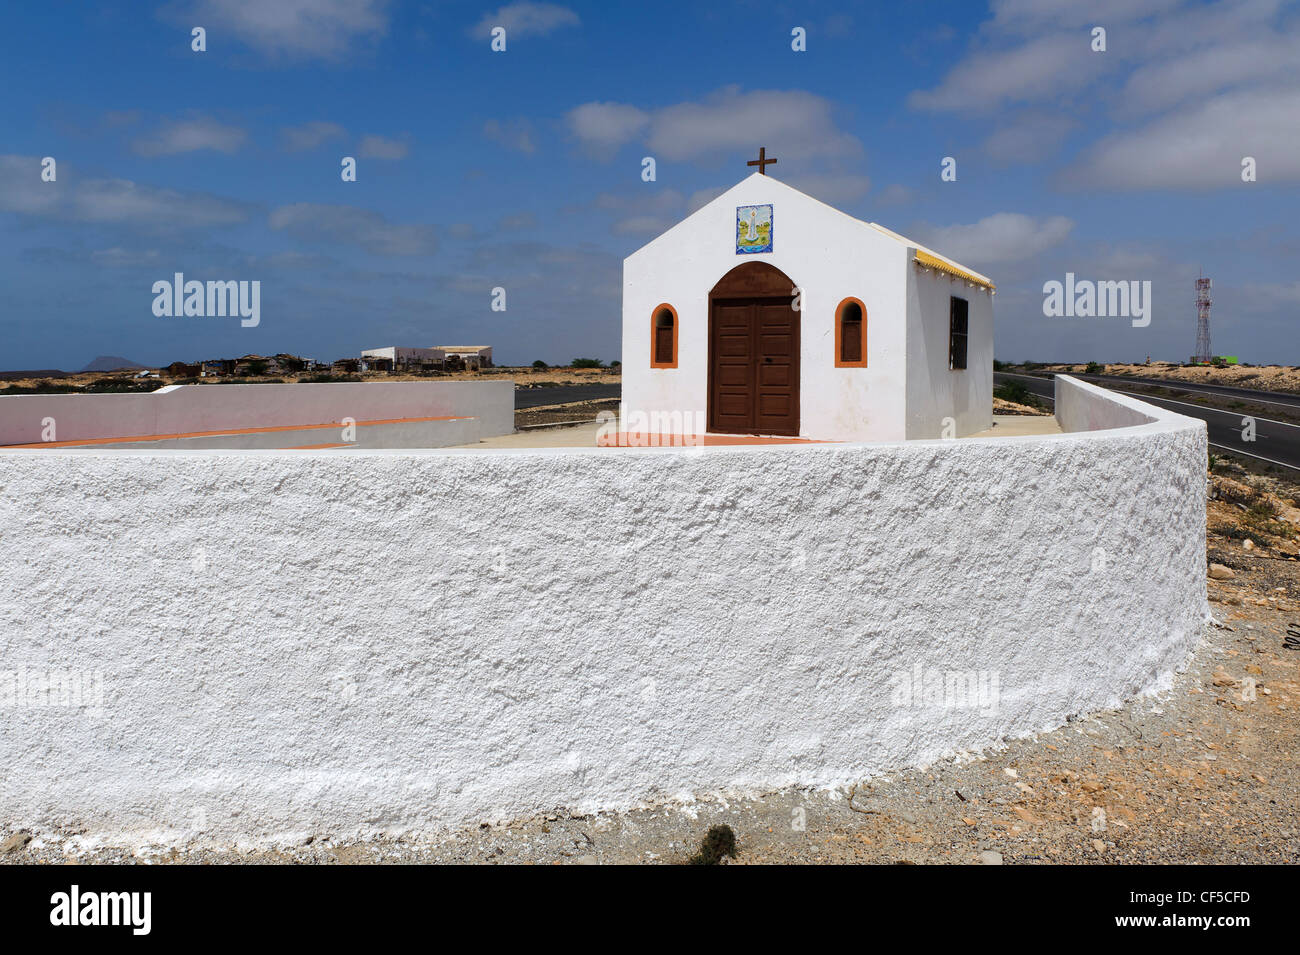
[
  {"x": 663, "y": 337},
  {"x": 851, "y": 334}
]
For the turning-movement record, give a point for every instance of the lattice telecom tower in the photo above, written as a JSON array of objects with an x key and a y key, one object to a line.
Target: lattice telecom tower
[{"x": 1203, "y": 303}]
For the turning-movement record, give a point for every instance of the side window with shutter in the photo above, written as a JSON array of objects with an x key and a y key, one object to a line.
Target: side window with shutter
[{"x": 957, "y": 330}]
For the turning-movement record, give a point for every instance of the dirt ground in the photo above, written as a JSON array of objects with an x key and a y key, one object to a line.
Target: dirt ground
[
  {"x": 1002, "y": 406},
  {"x": 1205, "y": 772},
  {"x": 571, "y": 411},
  {"x": 1264, "y": 377}
]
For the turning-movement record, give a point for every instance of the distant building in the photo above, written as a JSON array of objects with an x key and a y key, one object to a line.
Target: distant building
[
  {"x": 290, "y": 364},
  {"x": 217, "y": 367},
  {"x": 472, "y": 356},
  {"x": 397, "y": 355},
  {"x": 393, "y": 357}
]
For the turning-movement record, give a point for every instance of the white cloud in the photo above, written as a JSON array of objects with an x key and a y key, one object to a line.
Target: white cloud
[
  {"x": 1202, "y": 146},
  {"x": 310, "y": 135},
  {"x": 895, "y": 195},
  {"x": 833, "y": 189},
  {"x": 1029, "y": 137},
  {"x": 192, "y": 134},
  {"x": 294, "y": 28},
  {"x": 1038, "y": 71},
  {"x": 1033, "y": 15},
  {"x": 643, "y": 213},
  {"x": 118, "y": 257},
  {"x": 1202, "y": 77},
  {"x": 1038, "y": 51},
  {"x": 108, "y": 201},
  {"x": 1001, "y": 237},
  {"x": 516, "y": 134},
  {"x": 1212, "y": 69},
  {"x": 21, "y": 188},
  {"x": 377, "y": 147},
  {"x": 643, "y": 225},
  {"x": 526, "y": 19},
  {"x": 702, "y": 197},
  {"x": 518, "y": 221},
  {"x": 123, "y": 201},
  {"x": 348, "y": 224},
  {"x": 1284, "y": 295},
  {"x": 604, "y": 127},
  {"x": 791, "y": 123}
]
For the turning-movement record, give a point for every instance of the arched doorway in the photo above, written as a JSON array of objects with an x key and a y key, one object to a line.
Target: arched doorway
[{"x": 753, "y": 352}]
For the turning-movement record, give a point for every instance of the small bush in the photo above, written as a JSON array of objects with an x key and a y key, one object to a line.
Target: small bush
[
  {"x": 1014, "y": 391},
  {"x": 720, "y": 841},
  {"x": 120, "y": 386},
  {"x": 1262, "y": 509},
  {"x": 540, "y": 365},
  {"x": 586, "y": 363},
  {"x": 40, "y": 388},
  {"x": 1093, "y": 369}
]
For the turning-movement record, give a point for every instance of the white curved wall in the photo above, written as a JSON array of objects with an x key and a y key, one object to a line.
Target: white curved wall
[{"x": 355, "y": 641}]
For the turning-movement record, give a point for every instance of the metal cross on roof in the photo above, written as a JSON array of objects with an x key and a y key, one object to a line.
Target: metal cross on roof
[{"x": 762, "y": 161}]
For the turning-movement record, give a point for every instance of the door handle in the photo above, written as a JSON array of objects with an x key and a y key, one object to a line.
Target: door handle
[{"x": 768, "y": 359}]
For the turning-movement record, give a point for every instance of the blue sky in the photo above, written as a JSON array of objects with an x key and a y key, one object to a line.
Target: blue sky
[{"x": 522, "y": 169}]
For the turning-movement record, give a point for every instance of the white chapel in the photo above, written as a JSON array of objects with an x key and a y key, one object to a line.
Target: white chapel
[{"x": 767, "y": 312}]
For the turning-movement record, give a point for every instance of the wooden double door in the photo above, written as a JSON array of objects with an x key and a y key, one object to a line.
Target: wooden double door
[{"x": 753, "y": 365}]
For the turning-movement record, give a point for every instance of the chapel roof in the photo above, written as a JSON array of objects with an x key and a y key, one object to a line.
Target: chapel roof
[
  {"x": 930, "y": 259},
  {"x": 924, "y": 257}
]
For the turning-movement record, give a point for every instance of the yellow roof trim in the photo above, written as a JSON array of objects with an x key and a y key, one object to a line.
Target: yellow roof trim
[{"x": 934, "y": 262}]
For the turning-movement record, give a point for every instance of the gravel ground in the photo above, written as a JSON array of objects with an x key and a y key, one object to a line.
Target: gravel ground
[
  {"x": 1206, "y": 773},
  {"x": 569, "y": 411}
]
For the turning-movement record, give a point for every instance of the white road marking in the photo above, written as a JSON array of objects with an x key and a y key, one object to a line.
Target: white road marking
[
  {"x": 1261, "y": 457},
  {"x": 1188, "y": 404}
]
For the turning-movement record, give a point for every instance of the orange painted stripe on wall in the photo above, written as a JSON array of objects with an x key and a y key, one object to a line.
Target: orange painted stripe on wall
[
  {"x": 634, "y": 439},
  {"x": 209, "y": 434}
]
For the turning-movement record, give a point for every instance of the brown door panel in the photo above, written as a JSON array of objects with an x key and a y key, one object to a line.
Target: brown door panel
[{"x": 754, "y": 366}]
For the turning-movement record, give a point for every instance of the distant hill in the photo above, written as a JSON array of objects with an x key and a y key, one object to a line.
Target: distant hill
[
  {"x": 32, "y": 373},
  {"x": 113, "y": 363}
]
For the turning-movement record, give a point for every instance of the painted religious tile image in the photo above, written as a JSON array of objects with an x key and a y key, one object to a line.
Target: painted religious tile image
[{"x": 753, "y": 229}]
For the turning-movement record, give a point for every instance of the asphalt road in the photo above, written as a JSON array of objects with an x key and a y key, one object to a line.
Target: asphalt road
[
  {"x": 559, "y": 394},
  {"x": 1276, "y": 442},
  {"x": 1257, "y": 395}
]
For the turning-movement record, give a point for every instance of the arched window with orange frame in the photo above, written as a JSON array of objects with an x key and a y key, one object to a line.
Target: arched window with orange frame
[
  {"x": 663, "y": 337},
  {"x": 851, "y": 334}
]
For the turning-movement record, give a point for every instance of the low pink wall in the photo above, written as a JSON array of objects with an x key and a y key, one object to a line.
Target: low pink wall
[{"x": 183, "y": 409}]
